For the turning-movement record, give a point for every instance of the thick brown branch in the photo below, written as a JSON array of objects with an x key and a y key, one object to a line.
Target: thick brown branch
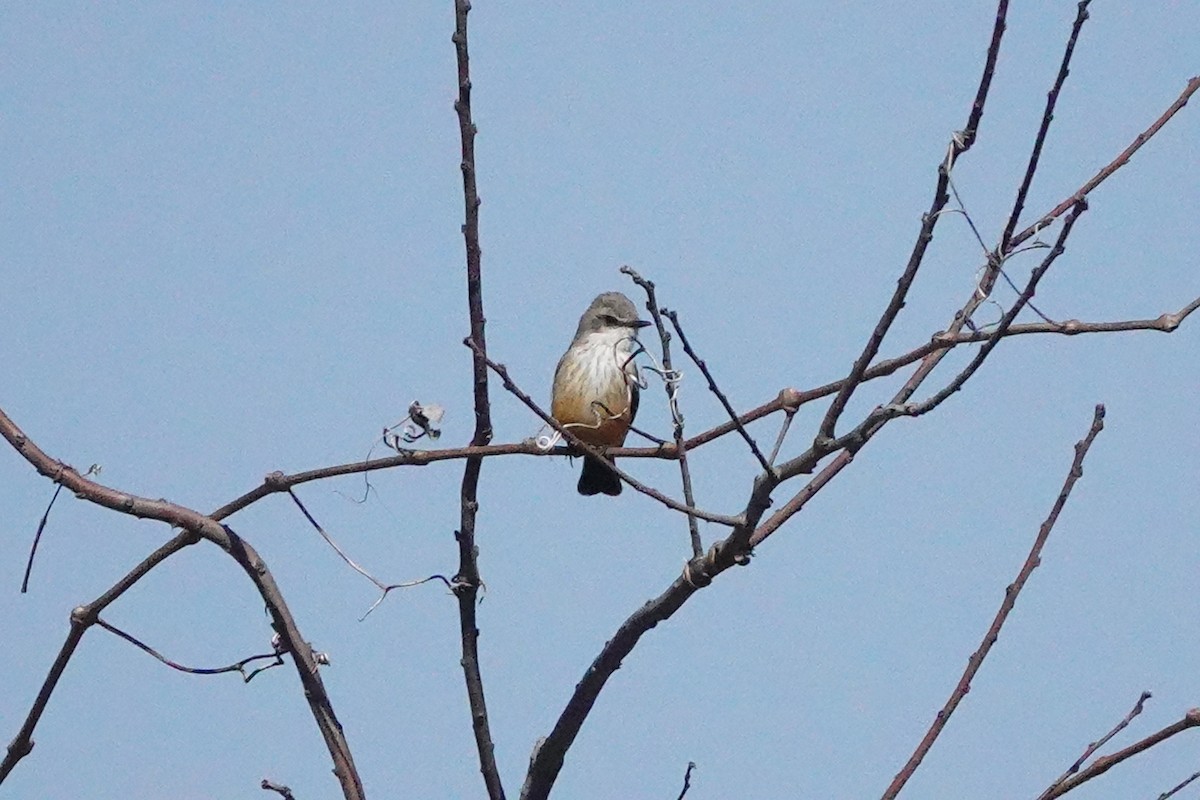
[{"x": 548, "y": 753}]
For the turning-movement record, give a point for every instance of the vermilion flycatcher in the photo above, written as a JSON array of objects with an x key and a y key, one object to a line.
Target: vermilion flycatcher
[{"x": 595, "y": 392}]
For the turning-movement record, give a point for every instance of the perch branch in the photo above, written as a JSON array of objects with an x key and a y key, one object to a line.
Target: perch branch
[{"x": 671, "y": 385}]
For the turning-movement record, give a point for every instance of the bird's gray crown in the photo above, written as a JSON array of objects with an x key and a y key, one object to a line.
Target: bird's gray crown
[{"x": 609, "y": 310}]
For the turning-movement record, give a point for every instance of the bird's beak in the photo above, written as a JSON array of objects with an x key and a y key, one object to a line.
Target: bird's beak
[{"x": 642, "y": 323}]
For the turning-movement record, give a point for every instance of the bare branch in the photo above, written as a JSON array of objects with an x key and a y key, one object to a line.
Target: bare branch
[
  {"x": 278, "y": 788},
  {"x": 548, "y": 753},
  {"x": 384, "y": 588},
  {"x": 687, "y": 780},
  {"x": 599, "y": 453},
  {"x": 712, "y": 386},
  {"x": 1179, "y": 787},
  {"x": 783, "y": 431},
  {"x": 22, "y": 743},
  {"x": 1103, "y": 764},
  {"x": 238, "y": 666},
  {"x": 962, "y": 377},
  {"x": 1039, "y": 141},
  {"x": 197, "y": 526},
  {"x": 329, "y": 541},
  {"x": 37, "y": 538},
  {"x": 1091, "y": 749},
  {"x": 1010, "y": 598},
  {"x": 788, "y": 400},
  {"x": 671, "y": 387},
  {"x": 1121, "y": 160},
  {"x": 798, "y": 501},
  {"x": 467, "y": 581},
  {"x": 963, "y": 316},
  {"x": 960, "y": 144}
]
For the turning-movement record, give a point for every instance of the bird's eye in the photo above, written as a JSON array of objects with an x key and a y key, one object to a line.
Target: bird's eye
[{"x": 609, "y": 319}]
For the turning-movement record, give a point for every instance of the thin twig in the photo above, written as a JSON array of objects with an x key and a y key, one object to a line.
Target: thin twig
[
  {"x": 81, "y": 619},
  {"x": 804, "y": 463},
  {"x": 37, "y": 537},
  {"x": 279, "y": 788},
  {"x": 959, "y": 144},
  {"x": 329, "y": 541},
  {"x": 1103, "y": 764},
  {"x": 1039, "y": 141},
  {"x": 783, "y": 431},
  {"x": 1010, "y": 598},
  {"x": 716, "y": 390},
  {"x": 1121, "y": 160},
  {"x": 687, "y": 780},
  {"x": 384, "y": 588},
  {"x": 671, "y": 385},
  {"x": 1091, "y": 749},
  {"x": 238, "y": 666},
  {"x": 1006, "y": 322},
  {"x": 1179, "y": 786},
  {"x": 599, "y": 453},
  {"x": 1044, "y": 317},
  {"x": 196, "y": 526},
  {"x": 963, "y": 316}
]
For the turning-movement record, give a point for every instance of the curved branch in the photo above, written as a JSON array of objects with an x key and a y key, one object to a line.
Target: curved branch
[{"x": 196, "y": 526}]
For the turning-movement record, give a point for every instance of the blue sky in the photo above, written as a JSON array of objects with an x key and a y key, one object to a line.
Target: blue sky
[{"x": 232, "y": 246}]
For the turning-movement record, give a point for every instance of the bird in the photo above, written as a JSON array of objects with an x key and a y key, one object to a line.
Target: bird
[{"x": 595, "y": 394}]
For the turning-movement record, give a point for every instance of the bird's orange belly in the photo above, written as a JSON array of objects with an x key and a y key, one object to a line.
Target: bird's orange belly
[{"x": 601, "y": 421}]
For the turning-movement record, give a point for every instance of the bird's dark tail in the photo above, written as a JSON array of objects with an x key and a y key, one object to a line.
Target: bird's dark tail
[{"x": 597, "y": 478}]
